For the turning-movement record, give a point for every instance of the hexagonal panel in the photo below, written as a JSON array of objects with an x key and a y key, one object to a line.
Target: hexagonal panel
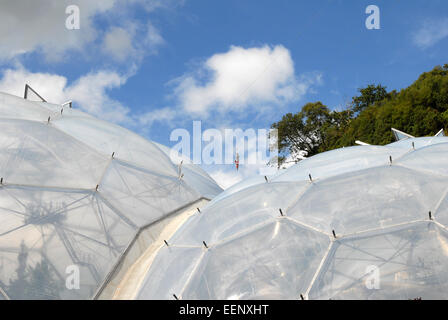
[
  {"x": 431, "y": 158},
  {"x": 141, "y": 195},
  {"x": 34, "y": 153},
  {"x": 339, "y": 161},
  {"x": 401, "y": 263},
  {"x": 53, "y": 230},
  {"x": 368, "y": 199},
  {"x": 170, "y": 272},
  {"x": 244, "y": 210},
  {"x": 276, "y": 261}
]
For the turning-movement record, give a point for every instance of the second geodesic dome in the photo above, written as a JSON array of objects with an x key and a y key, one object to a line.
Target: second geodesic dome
[
  {"x": 319, "y": 230},
  {"x": 78, "y": 193}
]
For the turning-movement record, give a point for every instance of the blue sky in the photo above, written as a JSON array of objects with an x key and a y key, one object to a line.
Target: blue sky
[{"x": 153, "y": 66}]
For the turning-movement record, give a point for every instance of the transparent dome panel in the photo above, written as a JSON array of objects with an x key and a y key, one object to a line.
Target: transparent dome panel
[
  {"x": 59, "y": 230},
  {"x": 193, "y": 174},
  {"x": 246, "y": 183},
  {"x": 37, "y": 154},
  {"x": 276, "y": 261},
  {"x": 12, "y": 214},
  {"x": 13, "y": 107},
  {"x": 237, "y": 213},
  {"x": 339, "y": 161},
  {"x": 52, "y": 107},
  {"x": 373, "y": 198},
  {"x": 74, "y": 192},
  {"x": 430, "y": 158},
  {"x": 112, "y": 139},
  {"x": 404, "y": 263},
  {"x": 203, "y": 185},
  {"x": 198, "y": 170},
  {"x": 441, "y": 212},
  {"x": 71, "y": 112},
  {"x": 23, "y": 261},
  {"x": 160, "y": 282},
  {"x": 174, "y": 156},
  {"x": 417, "y": 143},
  {"x": 143, "y": 196},
  {"x": 59, "y": 111}
]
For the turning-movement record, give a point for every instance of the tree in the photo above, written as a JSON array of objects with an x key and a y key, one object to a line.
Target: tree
[
  {"x": 301, "y": 131},
  {"x": 368, "y": 96},
  {"x": 312, "y": 130},
  {"x": 420, "y": 109}
]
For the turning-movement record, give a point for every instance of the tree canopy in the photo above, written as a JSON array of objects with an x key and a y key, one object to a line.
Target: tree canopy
[{"x": 420, "y": 110}]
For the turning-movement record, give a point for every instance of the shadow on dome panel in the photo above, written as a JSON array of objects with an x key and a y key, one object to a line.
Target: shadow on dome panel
[
  {"x": 110, "y": 139},
  {"x": 404, "y": 263},
  {"x": 36, "y": 154},
  {"x": 143, "y": 196},
  {"x": 53, "y": 232}
]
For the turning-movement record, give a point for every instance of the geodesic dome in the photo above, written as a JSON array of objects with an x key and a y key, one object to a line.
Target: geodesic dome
[
  {"x": 364, "y": 222},
  {"x": 78, "y": 192}
]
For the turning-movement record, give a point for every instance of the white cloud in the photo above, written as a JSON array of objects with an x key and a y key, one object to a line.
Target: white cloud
[
  {"x": 249, "y": 148},
  {"x": 118, "y": 44},
  {"x": 39, "y": 26},
  {"x": 431, "y": 32},
  {"x": 163, "y": 114},
  {"x": 89, "y": 92},
  {"x": 123, "y": 43},
  {"x": 241, "y": 78},
  {"x": 153, "y": 38},
  {"x": 26, "y": 26},
  {"x": 49, "y": 86}
]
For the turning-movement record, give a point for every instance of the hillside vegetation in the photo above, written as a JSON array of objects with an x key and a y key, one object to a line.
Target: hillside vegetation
[{"x": 420, "y": 110}]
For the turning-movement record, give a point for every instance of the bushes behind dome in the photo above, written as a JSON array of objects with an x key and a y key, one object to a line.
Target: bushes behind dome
[{"x": 420, "y": 110}]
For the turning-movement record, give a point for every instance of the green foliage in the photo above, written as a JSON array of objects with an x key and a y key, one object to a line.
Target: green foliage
[
  {"x": 302, "y": 131},
  {"x": 420, "y": 110},
  {"x": 311, "y": 130},
  {"x": 369, "y": 96}
]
